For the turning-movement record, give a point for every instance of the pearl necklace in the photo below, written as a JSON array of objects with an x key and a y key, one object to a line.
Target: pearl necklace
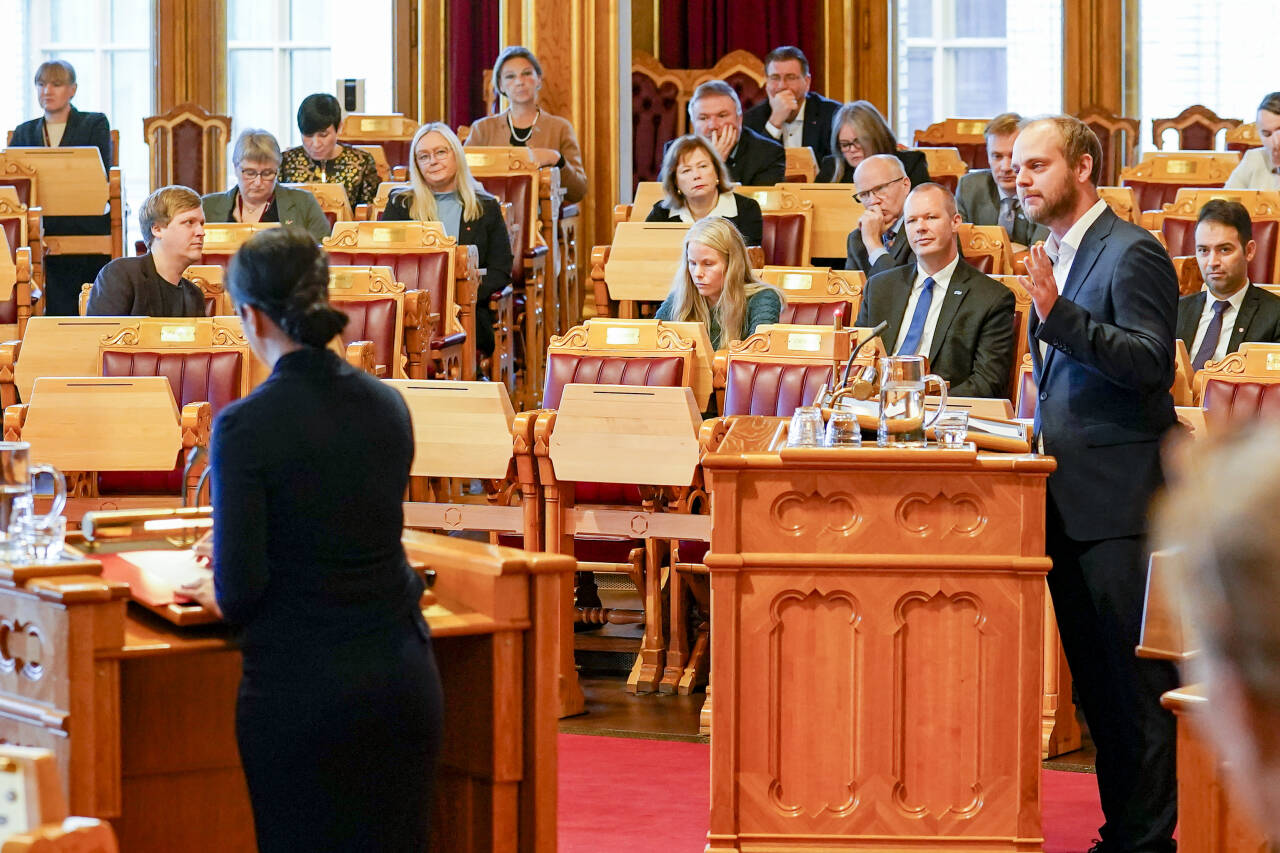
[{"x": 528, "y": 133}]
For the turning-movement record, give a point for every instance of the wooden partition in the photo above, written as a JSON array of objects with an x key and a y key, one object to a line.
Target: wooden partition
[
  {"x": 118, "y": 692},
  {"x": 73, "y": 182},
  {"x": 876, "y": 651}
]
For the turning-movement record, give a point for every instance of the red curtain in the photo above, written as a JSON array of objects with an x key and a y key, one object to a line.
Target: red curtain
[
  {"x": 471, "y": 48},
  {"x": 697, "y": 33}
]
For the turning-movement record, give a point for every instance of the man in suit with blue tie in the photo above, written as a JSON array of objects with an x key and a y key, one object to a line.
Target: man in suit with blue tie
[
  {"x": 942, "y": 307},
  {"x": 990, "y": 196},
  {"x": 1102, "y": 343}
]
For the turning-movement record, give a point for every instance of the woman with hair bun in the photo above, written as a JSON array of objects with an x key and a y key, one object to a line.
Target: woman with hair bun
[{"x": 339, "y": 710}]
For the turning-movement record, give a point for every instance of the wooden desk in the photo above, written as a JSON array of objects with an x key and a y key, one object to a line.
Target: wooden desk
[
  {"x": 876, "y": 632},
  {"x": 140, "y": 713}
]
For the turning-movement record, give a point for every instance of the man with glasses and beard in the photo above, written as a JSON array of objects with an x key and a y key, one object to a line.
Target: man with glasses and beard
[{"x": 1102, "y": 343}]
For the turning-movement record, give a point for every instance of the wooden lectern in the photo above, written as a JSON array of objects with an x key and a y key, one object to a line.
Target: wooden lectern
[{"x": 877, "y": 635}]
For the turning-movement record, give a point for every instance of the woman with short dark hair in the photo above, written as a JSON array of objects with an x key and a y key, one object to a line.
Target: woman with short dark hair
[
  {"x": 321, "y": 158},
  {"x": 695, "y": 185},
  {"x": 339, "y": 710}
]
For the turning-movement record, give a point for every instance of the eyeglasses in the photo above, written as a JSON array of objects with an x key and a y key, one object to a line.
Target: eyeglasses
[
  {"x": 790, "y": 79},
  {"x": 878, "y": 191},
  {"x": 431, "y": 156},
  {"x": 850, "y": 145},
  {"x": 254, "y": 174}
]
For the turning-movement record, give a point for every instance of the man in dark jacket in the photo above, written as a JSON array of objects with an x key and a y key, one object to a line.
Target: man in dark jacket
[
  {"x": 793, "y": 116},
  {"x": 715, "y": 114}
]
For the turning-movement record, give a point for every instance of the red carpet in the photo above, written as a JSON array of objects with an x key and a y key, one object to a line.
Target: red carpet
[{"x": 607, "y": 801}]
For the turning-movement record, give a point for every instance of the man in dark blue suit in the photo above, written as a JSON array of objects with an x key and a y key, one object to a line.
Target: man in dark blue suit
[
  {"x": 793, "y": 116},
  {"x": 1102, "y": 343}
]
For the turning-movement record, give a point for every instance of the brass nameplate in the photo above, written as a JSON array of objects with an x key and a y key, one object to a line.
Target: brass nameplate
[
  {"x": 1273, "y": 361},
  {"x": 621, "y": 336},
  {"x": 215, "y": 235},
  {"x": 389, "y": 234},
  {"x": 341, "y": 280},
  {"x": 797, "y": 281},
  {"x": 375, "y": 124},
  {"x": 1180, "y": 167},
  {"x": 177, "y": 334},
  {"x": 804, "y": 341},
  {"x": 476, "y": 158},
  {"x": 971, "y": 128}
]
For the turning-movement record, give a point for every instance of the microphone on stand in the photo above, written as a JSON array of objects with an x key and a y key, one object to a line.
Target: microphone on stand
[{"x": 863, "y": 385}]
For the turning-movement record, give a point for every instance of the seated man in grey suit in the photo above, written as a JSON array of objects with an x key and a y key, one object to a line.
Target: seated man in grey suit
[
  {"x": 1238, "y": 311},
  {"x": 940, "y": 306},
  {"x": 152, "y": 285},
  {"x": 990, "y": 196},
  {"x": 879, "y": 242}
]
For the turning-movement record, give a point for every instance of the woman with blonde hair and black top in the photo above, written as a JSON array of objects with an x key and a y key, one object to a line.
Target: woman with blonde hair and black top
[
  {"x": 443, "y": 190},
  {"x": 715, "y": 286},
  {"x": 696, "y": 184}
]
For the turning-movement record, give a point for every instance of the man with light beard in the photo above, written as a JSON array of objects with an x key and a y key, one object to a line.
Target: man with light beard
[{"x": 1102, "y": 344}]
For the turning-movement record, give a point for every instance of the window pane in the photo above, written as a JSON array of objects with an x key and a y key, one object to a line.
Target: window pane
[
  {"x": 919, "y": 90},
  {"x": 1192, "y": 55},
  {"x": 130, "y": 104},
  {"x": 13, "y": 66},
  {"x": 919, "y": 18},
  {"x": 251, "y": 20},
  {"x": 251, "y": 93},
  {"x": 74, "y": 21},
  {"x": 309, "y": 20},
  {"x": 979, "y": 81},
  {"x": 362, "y": 48},
  {"x": 309, "y": 72},
  {"x": 980, "y": 18},
  {"x": 131, "y": 21}
]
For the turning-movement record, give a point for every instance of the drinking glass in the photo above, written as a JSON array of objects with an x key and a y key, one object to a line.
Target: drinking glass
[
  {"x": 46, "y": 536},
  {"x": 843, "y": 430},
  {"x": 951, "y": 428},
  {"x": 17, "y": 474},
  {"x": 806, "y": 428},
  {"x": 902, "y": 392}
]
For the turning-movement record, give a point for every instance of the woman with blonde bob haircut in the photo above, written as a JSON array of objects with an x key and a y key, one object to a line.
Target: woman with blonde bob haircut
[
  {"x": 696, "y": 185},
  {"x": 443, "y": 190},
  {"x": 715, "y": 285}
]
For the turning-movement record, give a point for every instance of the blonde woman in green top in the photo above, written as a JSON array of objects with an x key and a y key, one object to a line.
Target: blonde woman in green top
[{"x": 715, "y": 285}]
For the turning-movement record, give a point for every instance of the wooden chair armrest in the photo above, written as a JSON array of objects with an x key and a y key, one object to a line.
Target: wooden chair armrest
[
  {"x": 197, "y": 425},
  {"x": 711, "y": 433},
  {"x": 756, "y": 255},
  {"x": 1190, "y": 279},
  {"x": 719, "y": 369},
  {"x": 8, "y": 362},
  {"x": 522, "y": 442},
  {"x": 621, "y": 213},
  {"x": 363, "y": 212},
  {"x": 416, "y": 305},
  {"x": 14, "y": 417},
  {"x": 399, "y": 173},
  {"x": 542, "y": 429},
  {"x": 360, "y": 354},
  {"x": 600, "y": 257}
]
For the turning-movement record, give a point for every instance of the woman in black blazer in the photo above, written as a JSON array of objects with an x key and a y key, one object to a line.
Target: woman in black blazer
[
  {"x": 858, "y": 131},
  {"x": 339, "y": 711},
  {"x": 442, "y": 190},
  {"x": 696, "y": 184},
  {"x": 62, "y": 125}
]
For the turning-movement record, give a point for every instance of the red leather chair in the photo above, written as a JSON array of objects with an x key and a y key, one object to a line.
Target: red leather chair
[
  {"x": 1157, "y": 179},
  {"x": 963, "y": 134},
  {"x": 372, "y": 320},
  {"x": 1197, "y": 128},
  {"x": 1118, "y": 136},
  {"x": 816, "y": 296},
  {"x": 784, "y": 239},
  {"x": 1178, "y": 225},
  {"x": 188, "y": 146},
  {"x": 1241, "y": 388},
  {"x": 655, "y": 121}
]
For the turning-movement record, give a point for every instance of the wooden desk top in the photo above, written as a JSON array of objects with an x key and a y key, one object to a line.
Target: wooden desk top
[{"x": 756, "y": 441}]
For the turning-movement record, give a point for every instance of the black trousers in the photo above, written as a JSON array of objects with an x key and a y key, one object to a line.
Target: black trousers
[
  {"x": 64, "y": 275},
  {"x": 341, "y": 757},
  {"x": 1097, "y": 589}
]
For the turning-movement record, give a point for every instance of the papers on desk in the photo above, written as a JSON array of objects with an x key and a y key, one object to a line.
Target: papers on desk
[{"x": 154, "y": 577}]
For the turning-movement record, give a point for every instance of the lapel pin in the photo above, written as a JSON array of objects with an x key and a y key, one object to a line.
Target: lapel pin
[{"x": 956, "y": 292}]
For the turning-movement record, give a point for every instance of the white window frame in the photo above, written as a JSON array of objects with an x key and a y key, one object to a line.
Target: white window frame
[{"x": 281, "y": 48}]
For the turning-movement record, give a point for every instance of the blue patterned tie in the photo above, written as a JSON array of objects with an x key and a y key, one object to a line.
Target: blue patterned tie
[
  {"x": 887, "y": 239},
  {"x": 1211, "y": 336},
  {"x": 916, "y": 330}
]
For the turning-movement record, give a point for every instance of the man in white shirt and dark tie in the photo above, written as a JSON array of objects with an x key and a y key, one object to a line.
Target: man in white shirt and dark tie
[
  {"x": 941, "y": 307},
  {"x": 1231, "y": 310},
  {"x": 793, "y": 116}
]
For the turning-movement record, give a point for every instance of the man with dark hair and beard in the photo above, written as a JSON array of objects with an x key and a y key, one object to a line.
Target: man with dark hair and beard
[{"x": 1102, "y": 344}]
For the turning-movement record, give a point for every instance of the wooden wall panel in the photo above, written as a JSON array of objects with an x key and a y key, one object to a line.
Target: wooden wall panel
[
  {"x": 1099, "y": 48},
  {"x": 189, "y": 54}
]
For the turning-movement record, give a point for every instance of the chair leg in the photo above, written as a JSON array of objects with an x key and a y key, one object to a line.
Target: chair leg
[
  {"x": 647, "y": 673},
  {"x": 557, "y": 502},
  {"x": 677, "y": 647}
]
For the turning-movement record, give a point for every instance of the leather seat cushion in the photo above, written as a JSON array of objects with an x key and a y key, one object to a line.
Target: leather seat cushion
[
  {"x": 649, "y": 371},
  {"x": 817, "y": 313},
  {"x": 763, "y": 388},
  {"x": 783, "y": 238},
  {"x": 371, "y": 320},
  {"x": 1231, "y": 403}
]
